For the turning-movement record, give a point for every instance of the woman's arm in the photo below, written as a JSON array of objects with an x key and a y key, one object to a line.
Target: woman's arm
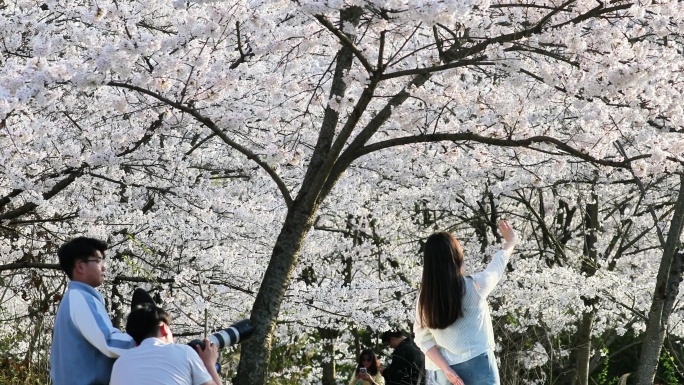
[
  {"x": 436, "y": 357},
  {"x": 488, "y": 278},
  {"x": 424, "y": 338},
  {"x": 426, "y": 342}
]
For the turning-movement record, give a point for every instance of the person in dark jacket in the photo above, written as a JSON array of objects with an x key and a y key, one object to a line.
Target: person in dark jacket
[{"x": 408, "y": 362}]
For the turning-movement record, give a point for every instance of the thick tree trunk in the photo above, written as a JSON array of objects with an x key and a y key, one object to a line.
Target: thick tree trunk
[
  {"x": 117, "y": 299},
  {"x": 667, "y": 285},
  {"x": 329, "y": 364},
  {"x": 256, "y": 351},
  {"x": 328, "y": 337},
  {"x": 584, "y": 348},
  {"x": 591, "y": 220}
]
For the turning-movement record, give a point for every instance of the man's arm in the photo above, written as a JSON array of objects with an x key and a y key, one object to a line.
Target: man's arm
[
  {"x": 208, "y": 357},
  {"x": 390, "y": 370},
  {"x": 93, "y": 322},
  {"x": 216, "y": 379},
  {"x": 212, "y": 382}
]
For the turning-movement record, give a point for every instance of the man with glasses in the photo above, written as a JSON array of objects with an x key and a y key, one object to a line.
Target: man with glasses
[{"x": 84, "y": 343}]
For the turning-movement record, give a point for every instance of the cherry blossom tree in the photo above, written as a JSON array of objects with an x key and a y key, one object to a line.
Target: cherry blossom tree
[{"x": 205, "y": 140}]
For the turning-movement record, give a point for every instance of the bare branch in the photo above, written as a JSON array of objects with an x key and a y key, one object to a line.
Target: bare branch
[
  {"x": 471, "y": 137},
  {"x": 381, "y": 51},
  {"x": 595, "y": 12},
  {"x": 344, "y": 39},
  {"x": 29, "y": 265},
  {"x": 637, "y": 180},
  {"x": 8, "y": 198},
  {"x": 146, "y": 138},
  {"x": 201, "y": 142},
  {"x": 416, "y": 71},
  {"x": 123, "y": 278},
  {"x": 543, "y": 52},
  {"x": 213, "y": 127},
  {"x": 120, "y": 183},
  {"x": 59, "y": 186},
  {"x": 243, "y": 55},
  {"x": 457, "y": 53}
]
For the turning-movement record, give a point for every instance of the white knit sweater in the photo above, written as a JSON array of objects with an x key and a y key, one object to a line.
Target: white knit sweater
[{"x": 472, "y": 334}]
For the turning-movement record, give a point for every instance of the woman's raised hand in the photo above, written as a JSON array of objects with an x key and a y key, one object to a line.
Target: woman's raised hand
[{"x": 508, "y": 234}]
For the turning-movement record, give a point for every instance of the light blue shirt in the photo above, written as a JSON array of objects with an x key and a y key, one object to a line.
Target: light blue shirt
[{"x": 84, "y": 343}]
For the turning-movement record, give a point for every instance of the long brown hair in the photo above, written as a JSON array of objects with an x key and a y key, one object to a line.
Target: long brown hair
[
  {"x": 443, "y": 287},
  {"x": 375, "y": 363}
]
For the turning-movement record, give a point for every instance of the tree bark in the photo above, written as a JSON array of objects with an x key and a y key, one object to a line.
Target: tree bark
[
  {"x": 584, "y": 348},
  {"x": 589, "y": 269},
  {"x": 117, "y": 299},
  {"x": 329, "y": 365},
  {"x": 582, "y": 354},
  {"x": 328, "y": 337},
  {"x": 256, "y": 351},
  {"x": 667, "y": 285}
]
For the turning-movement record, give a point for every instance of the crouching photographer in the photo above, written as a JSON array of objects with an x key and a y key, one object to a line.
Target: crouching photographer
[{"x": 157, "y": 359}]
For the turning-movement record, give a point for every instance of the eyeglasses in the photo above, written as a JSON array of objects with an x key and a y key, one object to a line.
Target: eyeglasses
[
  {"x": 366, "y": 359},
  {"x": 97, "y": 260}
]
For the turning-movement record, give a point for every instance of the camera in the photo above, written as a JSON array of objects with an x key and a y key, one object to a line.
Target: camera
[
  {"x": 363, "y": 370},
  {"x": 232, "y": 335},
  {"x": 226, "y": 337}
]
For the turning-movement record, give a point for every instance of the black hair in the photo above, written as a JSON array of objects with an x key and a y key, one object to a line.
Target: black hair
[
  {"x": 388, "y": 335},
  {"x": 145, "y": 321},
  {"x": 375, "y": 364},
  {"x": 80, "y": 248},
  {"x": 440, "y": 302}
]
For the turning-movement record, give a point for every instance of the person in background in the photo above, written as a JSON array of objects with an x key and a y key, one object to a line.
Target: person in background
[
  {"x": 84, "y": 342},
  {"x": 408, "y": 362},
  {"x": 367, "y": 370},
  {"x": 453, "y": 322}
]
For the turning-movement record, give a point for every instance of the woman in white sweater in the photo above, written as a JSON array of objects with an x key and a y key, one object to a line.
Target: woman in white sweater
[{"x": 453, "y": 323}]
